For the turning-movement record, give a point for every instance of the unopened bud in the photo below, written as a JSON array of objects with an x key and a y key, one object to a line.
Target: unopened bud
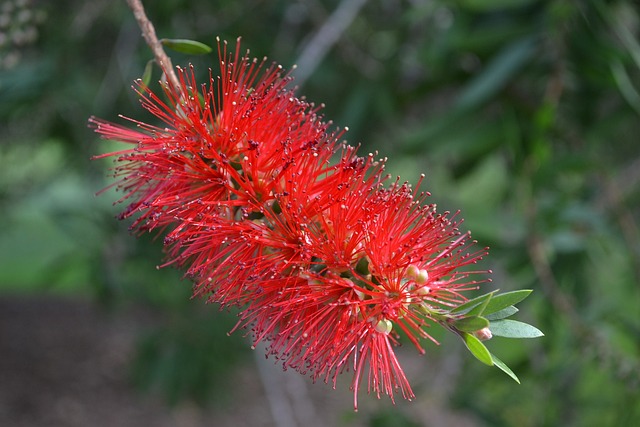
[
  {"x": 424, "y": 290},
  {"x": 422, "y": 277},
  {"x": 412, "y": 271},
  {"x": 483, "y": 334},
  {"x": 384, "y": 326}
]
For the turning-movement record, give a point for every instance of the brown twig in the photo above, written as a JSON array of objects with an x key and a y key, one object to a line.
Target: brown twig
[{"x": 149, "y": 34}]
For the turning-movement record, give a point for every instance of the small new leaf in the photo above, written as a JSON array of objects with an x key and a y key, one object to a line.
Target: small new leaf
[
  {"x": 498, "y": 302},
  {"x": 469, "y": 305},
  {"x": 146, "y": 75},
  {"x": 502, "y": 314},
  {"x": 514, "y": 329},
  {"x": 471, "y": 324},
  {"x": 480, "y": 308},
  {"x": 504, "y": 368},
  {"x": 190, "y": 47},
  {"x": 476, "y": 348}
]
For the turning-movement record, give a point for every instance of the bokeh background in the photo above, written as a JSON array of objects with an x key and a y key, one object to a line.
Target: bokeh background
[{"x": 524, "y": 114}]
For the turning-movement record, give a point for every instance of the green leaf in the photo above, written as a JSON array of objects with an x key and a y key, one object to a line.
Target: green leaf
[
  {"x": 467, "y": 306},
  {"x": 201, "y": 99},
  {"x": 471, "y": 324},
  {"x": 498, "y": 302},
  {"x": 146, "y": 75},
  {"x": 504, "y": 368},
  {"x": 476, "y": 348},
  {"x": 362, "y": 266},
  {"x": 480, "y": 308},
  {"x": 190, "y": 47},
  {"x": 498, "y": 72},
  {"x": 625, "y": 86},
  {"x": 502, "y": 314},
  {"x": 514, "y": 329}
]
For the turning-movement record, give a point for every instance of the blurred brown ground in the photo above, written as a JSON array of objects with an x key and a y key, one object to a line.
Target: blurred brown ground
[{"x": 64, "y": 362}]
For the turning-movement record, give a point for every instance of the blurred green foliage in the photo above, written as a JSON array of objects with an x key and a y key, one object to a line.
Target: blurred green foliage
[{"x": 523, "y": 114}]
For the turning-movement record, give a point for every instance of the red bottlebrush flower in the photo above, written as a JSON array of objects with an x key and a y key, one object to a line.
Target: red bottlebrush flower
[
  {"x": 266, "y": 211},
  {"x": 381, "y": 259}
]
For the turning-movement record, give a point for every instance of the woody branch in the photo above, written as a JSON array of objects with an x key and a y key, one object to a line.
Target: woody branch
[{"x": 149, "y": 34}]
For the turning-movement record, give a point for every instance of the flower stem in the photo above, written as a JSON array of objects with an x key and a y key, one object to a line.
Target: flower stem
[{"x": 149, "y": 34}]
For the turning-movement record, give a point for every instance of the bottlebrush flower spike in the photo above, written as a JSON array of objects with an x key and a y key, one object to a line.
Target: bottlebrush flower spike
[{"x": 266, "y": 210}]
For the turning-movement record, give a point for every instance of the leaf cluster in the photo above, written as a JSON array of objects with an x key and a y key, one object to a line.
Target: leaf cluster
[{"x": 491, "y": 311}]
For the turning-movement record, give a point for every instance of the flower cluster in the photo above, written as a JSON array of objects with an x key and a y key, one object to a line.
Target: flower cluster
[{"x": 267, "y": 210}]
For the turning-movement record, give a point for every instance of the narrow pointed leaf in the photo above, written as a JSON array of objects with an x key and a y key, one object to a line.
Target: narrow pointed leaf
[
  {"x": 471, "y": 324},
  {"x": 498, "y": 302},
  {"x": 514, "y": 329},
  {"x": 190, "y": 47},
  {"x": 476, "y": 348},
  {"x": 498, "y": 72},
  {"x": 502, "y": 314},
  {"x": 467, "y": 306},
  {"x": 504, "y": 368},
  {"x": 480, "y": 308},
  {"x": 148, "y": 71}
]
